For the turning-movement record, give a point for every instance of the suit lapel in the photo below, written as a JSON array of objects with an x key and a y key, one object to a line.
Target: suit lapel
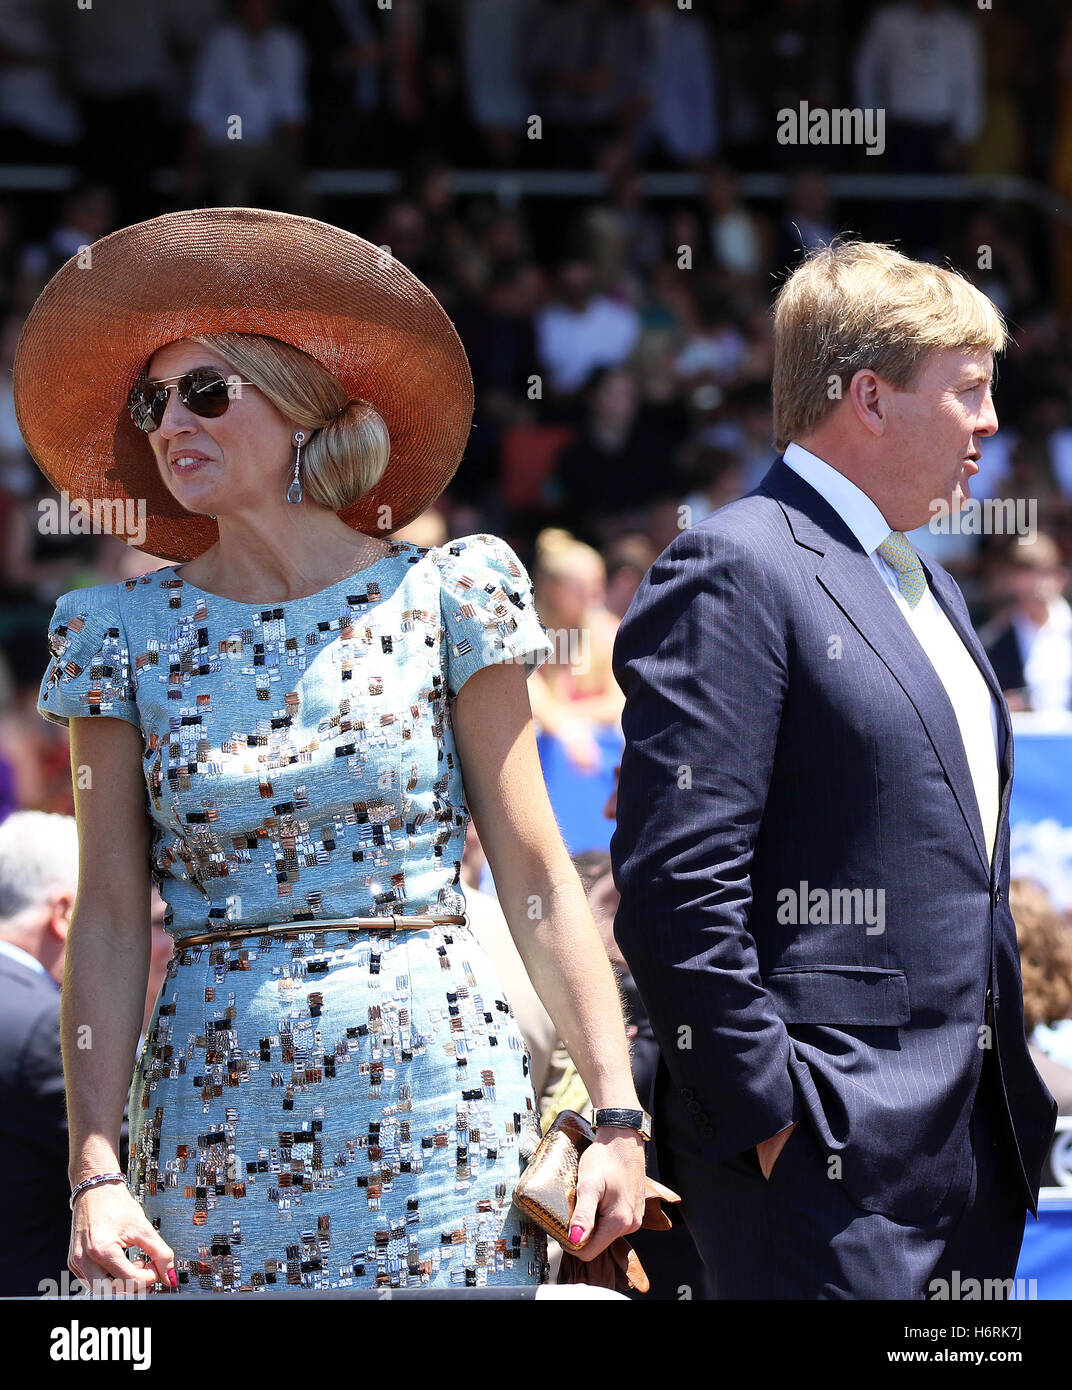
[{"x": 850, "y": 578}]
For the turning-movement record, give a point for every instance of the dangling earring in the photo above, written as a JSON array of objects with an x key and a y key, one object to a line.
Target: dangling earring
[{"x": 292, "y": 495}]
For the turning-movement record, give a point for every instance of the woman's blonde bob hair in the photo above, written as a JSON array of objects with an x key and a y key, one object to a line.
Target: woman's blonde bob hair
[
  {"x": 557, "y": 553},
  {"x": 862, "y": 305},
  {"x": 347, "y": 447}
]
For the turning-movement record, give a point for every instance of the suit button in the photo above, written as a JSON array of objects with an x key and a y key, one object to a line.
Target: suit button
[
  {"x": 686, "y": 1094},
  {"x": 693, "y": 1107},
  {"x": 997, "y": 895}
]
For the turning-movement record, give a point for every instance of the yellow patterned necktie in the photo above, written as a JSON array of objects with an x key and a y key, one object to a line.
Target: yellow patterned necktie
[{"x": 900, "y": 555}]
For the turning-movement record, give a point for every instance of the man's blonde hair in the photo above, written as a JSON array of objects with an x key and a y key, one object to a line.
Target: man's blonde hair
[{"x": 856, "y": 305}]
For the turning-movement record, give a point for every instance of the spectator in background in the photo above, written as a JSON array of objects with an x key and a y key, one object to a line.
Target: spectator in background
[
  {"x": 495, "y": 324},
  {"x": 38, "y": 880},
  {"x": 574, "y": 693},
  {"x": 244, "y": 143},
  {"x": 1030, "y": 644},
  {"x": 572, "y": 65},
  {"x": 715, "y": 350},
  {"x": 921, "y": 62},
  {"x": 1045, "y": 942},
  {"x": 667, "y": 84},
  {"x": 807, "y": 222},
  {"x": 345, "y": 86},
  {"x": 493, "y": 58},
  {"x": 38, "y": 120},
  {"x": 625, "y": 231},
  {"x": 38, "y": 885},
  {"x": 117, "y": 65},
  {"x": 717, "y": 478},
  {"x": 739, "y": 238},
  {"x": 993, "y": 236},
  {"x": 87, "y": 213},
  {"x": 606, "y": 473},
  {"x": 1036, "y": 460},
  {"x": 581, "y": 329},
  {"x": 799, "y": 45},
  {"x": 628, "y": 558}
]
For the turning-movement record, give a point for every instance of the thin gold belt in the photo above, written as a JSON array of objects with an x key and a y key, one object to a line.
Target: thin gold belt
[{"x": 395, "y": 922}]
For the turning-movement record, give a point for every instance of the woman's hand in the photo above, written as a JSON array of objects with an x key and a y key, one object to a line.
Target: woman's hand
[
  {"x": 610, "y": 1190},
  {"x": 107, "y": 1220}
]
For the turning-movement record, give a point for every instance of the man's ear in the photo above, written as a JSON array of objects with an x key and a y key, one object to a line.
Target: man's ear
[
  {"x": 865, "y": 394},
  {"x": 60, "y": 905}
]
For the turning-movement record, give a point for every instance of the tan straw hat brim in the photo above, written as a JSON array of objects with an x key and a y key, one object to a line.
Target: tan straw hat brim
[{"x": 341, "y": 299}]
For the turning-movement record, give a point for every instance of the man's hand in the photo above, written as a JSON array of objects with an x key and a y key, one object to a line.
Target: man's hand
[{"x": 769, "y": 1149}]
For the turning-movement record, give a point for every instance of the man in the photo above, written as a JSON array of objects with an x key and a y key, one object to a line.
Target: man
[
  {"x": 38, "y": 878},
  {"x": 1029, "y": 645},
  {"x": 38, "y": 883},
  {"x": 813, "y": 840}
]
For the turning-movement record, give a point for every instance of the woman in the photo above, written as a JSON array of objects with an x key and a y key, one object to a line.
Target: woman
[
  {"x": 289, "y": 730},
  {"x": 576, "y": 693}
]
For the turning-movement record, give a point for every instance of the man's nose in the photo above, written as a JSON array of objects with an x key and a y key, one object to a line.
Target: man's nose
[{"x": 987, "y": 423}]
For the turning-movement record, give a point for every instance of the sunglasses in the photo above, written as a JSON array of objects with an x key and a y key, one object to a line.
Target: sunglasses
[{"x": 205, "y": 391}]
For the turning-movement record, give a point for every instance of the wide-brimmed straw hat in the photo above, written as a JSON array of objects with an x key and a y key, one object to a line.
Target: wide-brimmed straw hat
[{"x": 341, "y": 299}]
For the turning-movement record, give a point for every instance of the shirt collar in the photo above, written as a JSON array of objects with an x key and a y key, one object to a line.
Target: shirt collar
[
  {"x": 855, "y": 508},
  {"x": 8, "y": 948}
]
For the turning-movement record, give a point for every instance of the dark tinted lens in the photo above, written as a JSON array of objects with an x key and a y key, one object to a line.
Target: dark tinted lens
[
  {"x": 205, "y": 392},
  {"x": 147, "y": 404}
]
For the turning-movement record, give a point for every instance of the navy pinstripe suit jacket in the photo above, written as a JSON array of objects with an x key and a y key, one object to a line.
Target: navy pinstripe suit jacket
[{"x": 783, "y": 726}]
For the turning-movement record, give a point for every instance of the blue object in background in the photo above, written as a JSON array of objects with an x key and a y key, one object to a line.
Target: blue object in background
[
  {"x": 578, "y": 798},
  {"x": 1046, "y": 1254}
]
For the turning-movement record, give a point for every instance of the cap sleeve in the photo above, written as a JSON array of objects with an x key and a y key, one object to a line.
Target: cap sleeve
[
  {"x": 90, "y": 671},
  {"x": 488, "y": 610}
]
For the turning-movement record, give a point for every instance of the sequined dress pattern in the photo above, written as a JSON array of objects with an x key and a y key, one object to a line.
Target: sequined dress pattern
[{"x": 328, "y": 1109}]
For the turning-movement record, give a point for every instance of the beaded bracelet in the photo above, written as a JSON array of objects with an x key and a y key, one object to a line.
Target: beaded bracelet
[{"x": 94, "y": 1182}]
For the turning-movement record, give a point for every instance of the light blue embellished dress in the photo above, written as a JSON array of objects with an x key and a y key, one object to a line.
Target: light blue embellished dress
[{"x": 340, "y": 1109}]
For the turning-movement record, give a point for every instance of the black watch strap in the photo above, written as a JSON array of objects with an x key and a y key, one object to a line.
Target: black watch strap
[{"x": 639, "y": 1120}]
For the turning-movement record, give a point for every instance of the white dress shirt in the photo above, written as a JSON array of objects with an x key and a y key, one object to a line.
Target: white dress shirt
[
  {"x": 972, "y": 699},
  {"x": 923, "y": 65},
  {"x": 1046, "y": 655},
  {"x": 259, "y": 77}
]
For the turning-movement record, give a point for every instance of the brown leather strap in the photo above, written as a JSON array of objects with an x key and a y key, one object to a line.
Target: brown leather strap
[{"x": 394, "y": 922}]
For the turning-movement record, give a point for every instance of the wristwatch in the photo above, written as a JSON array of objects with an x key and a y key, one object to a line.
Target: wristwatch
[{"x": 639, "y": 1120}]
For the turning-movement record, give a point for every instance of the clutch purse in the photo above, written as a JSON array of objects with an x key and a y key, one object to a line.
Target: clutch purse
[{"x": 547, "y": 1192}]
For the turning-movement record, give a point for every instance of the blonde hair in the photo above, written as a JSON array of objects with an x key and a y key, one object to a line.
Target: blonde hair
[
  {"x": 859, "y": 305},
  {"x": 556, "y": 552},
  {"x": 350, "y": 446},
  {"x": 1045, "y": 954}
]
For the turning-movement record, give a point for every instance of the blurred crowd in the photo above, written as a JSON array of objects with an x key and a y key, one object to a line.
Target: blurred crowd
[{"x": 620, "y": 345}]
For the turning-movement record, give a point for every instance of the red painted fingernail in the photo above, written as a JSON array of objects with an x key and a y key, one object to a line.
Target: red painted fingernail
[
  {"x": 173, "y": 1279},
  {"x": 575, "y": 1234}
]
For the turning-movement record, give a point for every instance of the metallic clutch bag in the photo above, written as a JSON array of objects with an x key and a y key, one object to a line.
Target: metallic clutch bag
[{"x": 547, "y": 1190}]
